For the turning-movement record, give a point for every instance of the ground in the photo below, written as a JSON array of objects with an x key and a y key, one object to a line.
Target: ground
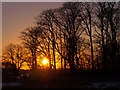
[{"x": 62, "y": 79}]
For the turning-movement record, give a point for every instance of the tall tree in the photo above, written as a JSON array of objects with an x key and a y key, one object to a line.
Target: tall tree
[
  {"x": 45, "y": 21},
  {"x": 87, "y": 19},
  {"x": 99, "y": 11},
  {"x": 112, "y": 17},
  {"x": 68, "y": 18},
  {"x": 30, "y": 38},
  {"x": 103, "y": 12}
]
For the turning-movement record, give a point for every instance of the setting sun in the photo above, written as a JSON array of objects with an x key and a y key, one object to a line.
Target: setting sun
[{"x": 45, "y": 61}]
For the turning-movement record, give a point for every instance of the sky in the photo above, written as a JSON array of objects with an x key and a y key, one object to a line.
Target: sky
[{"x": 17, "y": 16}]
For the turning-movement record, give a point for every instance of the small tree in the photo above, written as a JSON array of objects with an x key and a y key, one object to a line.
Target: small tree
[{"x": 15, "y": 56}]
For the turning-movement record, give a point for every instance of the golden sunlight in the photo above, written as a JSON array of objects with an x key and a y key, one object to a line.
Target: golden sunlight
[{"x": 45, "y": 61}]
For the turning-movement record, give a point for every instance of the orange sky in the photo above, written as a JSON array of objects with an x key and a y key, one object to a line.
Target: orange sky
[{"x": 17, "y": 16}]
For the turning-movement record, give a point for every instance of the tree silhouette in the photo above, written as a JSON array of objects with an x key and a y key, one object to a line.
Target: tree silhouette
[
  {"x": 85, "y": 35},
  {"x": 14, "y": 55},
  {"x": 30, "y": 38},
  {"x": 101, "y": 11},
  {"x": 46, "y": 23}
]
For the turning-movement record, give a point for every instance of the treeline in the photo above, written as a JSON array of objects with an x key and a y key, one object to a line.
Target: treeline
[{"x": 78, "y": 35}]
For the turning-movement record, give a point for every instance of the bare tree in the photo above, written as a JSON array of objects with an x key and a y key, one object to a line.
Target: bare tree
[
  {"x": 113, "y": 19},
  {"x": 104, "y": 18},
  {"x": 87, "y": 24},
  {"x": 68, "y": 20},
  {"x": 30, "y": 38},
  {"x": 99, "y": 11},
  {"x": 14, "y": 55},
  {"x": 46, "y": 23}
]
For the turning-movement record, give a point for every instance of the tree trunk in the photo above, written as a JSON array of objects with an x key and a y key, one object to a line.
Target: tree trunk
[
  {"x": 114, "y": 44},
  {"x": 64, "y": 53},
  {"x": 32, "y": 60},
  {"x": 35, "y": 59},
  {"x": 103, "y": 45},
  {"x": 90, "y": 35},
  {"x": 49, "y": 56},
  {"x": 54, "y": 54},
  {"x": 61, "y": 50},
  {"x": 92, "y": 52}
]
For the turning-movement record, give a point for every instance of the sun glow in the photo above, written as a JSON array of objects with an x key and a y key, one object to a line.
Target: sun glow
[{"x": 45, "y": 61}]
